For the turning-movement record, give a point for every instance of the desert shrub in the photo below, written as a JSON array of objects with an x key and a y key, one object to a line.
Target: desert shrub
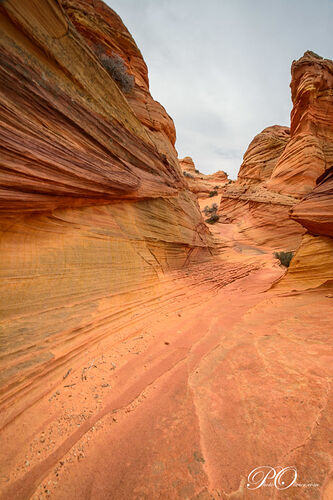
[
  {"x": 284, "y": 257},
  {"x": 187, "y": 174},
  {"x": 212, "y": 219},
  {"x": 217, "y": 187},
  {"x": 197, "y": 171},
  {"x": 212, "y": 193},
  {"x": 116, "y": 68},
  {"x": 210, "y": 210}
]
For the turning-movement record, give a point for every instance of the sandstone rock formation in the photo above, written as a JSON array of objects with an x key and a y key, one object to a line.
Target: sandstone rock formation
[
  {"x": 202, "y": 184},
  {"x": 105, "y": 33},
  {"x": 280, "y": 167},
  {"x": 94, "y": 207},
  {"x": 315, "y": 211},
  {"x": 310, "y": 149},
  {"x": 306, "y": 167},
  {"x": 312, "y": 265},
  {"x": 260, "y": 216},
  {"x": 262, "y": 155}
]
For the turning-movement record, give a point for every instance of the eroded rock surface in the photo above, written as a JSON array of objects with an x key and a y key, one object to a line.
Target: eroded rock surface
[{"x": 202, "y": 185}]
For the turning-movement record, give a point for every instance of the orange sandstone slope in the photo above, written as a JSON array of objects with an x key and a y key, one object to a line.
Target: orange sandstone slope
[
  {"x": 202, "y": 184},
  {"x": 94, "y": 208},
  {"x": 106, "y": 35}
]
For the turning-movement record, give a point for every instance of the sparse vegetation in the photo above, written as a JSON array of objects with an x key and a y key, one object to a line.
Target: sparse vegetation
[
  {"x": 187, "y": 174},
  {"x": 116, "y": 68},
  {"x": 197, "y": 171},
  {"x": 212, "y": 211},
  {"x": 213, "y": 193},
  {"x": 284, "y": 257},
  {"x": 214, "y": 218},
  {"x": 217, "y": 187}
]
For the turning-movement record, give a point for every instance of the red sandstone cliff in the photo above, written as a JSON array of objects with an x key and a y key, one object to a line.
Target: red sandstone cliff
[
  {"x": 305, "y": 168},
  {"x": 94, "y": 208}
]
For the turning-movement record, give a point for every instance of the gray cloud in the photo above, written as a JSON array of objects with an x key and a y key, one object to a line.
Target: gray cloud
[{"x": 222, "y": 68}]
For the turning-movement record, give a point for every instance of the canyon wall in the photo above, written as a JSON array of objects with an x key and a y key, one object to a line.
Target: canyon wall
[{"x": 94, "y": 209}]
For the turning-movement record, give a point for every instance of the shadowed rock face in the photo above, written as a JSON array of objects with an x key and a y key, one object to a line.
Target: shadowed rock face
[
  {"x": 310, "y": 150},
  {"x": 94, "y": 209}
]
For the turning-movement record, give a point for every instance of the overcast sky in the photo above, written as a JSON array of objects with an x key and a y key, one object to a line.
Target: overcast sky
[{"x": 221, "y": 68}]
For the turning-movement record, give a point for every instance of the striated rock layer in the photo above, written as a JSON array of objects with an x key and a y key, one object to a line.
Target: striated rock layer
[
  {"x": 315, "y": 211},
  {"x": 94, "y": 209},
  {"x": 311, "y": 162},
  {"x": 310, "y": 149},
  {"x": 127, "y": 354},
  {"x": 312, "y": 265}
]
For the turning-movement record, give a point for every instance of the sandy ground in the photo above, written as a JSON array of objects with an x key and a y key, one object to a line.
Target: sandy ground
[{"x": 222, "y": 376}]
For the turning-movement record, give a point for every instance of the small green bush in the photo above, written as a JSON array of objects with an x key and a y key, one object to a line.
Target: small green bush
[
  {"x": 213, "y": 193},
  {"x": 284, "y": 257},
  {"x": 214, "y": 218},
  {"x": 187, "y": 174}
]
